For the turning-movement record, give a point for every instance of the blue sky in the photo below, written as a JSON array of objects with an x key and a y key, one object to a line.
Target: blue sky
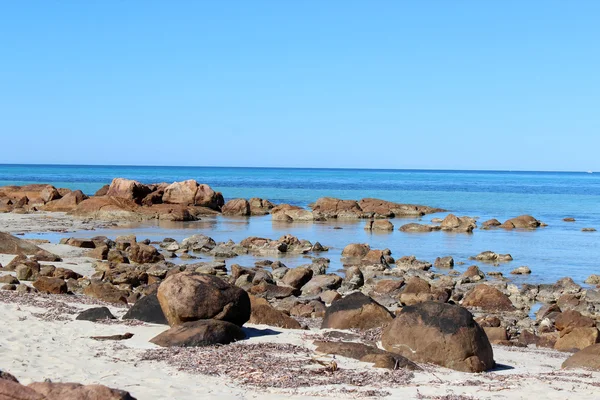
[{"x": 370, "y": 84}]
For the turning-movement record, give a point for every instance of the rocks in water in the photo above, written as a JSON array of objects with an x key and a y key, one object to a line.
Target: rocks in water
[
  {"x": 521, "y": 222},
  {"x": 356, "y": 250},
  {"x": 366, "y": 353},
  {"x": 569, "y": 219},
  {"x": 356, "y": 311},
  {"x": 417, "y": 228},
  {"x": 491, "y": 223},
  {"x": 586, "y": 358},
  {"x": 444, "y": 262},
  {"x": 384, "y": 208},
  {"x": 593, "y": 279},
  {"x": 487, "y": 298},
  {"x": 588, "y": 230},
  {"x": 193, "y": 194},
  {"x": 452, "y": 223},
  {"x": 147, "y": 309},
  {"x": 441, "y": 334},
  {"x": 95, "y": 314},
  {"x": 199, "y": 243},
  {"x": 491, "y": 257},
  {"x": 523, "y": 270},
  {"x": 236, "y": 207},
  {"x": 379, "y": 225},
  {"x": 191, "y": 296},
  {"x": 49, "y": 285},
  {"x": 260, "y": 206},
  {"x": 128, "y": 189},
  {"x": 205, "y": 332},
  {"x": 411, "y": 262},
  {"x": 288, "y": 213},
  {"x": 264, "y": 313},
  {"x": 331, "y": 208}
]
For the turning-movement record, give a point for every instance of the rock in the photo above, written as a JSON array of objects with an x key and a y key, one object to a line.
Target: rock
[
  {"x": 12, "y": 390},
  {"x": 356, "y": 250},
  {"x": 206, "y": 332},
  {"x": 99, "y": 253},
  {"x": 455, "y": 224},
  {"x": 128, "y": 189},
  {"x": 27, "y": 272},
  {"x": 49, "y": 285},
  {"x": 190, "y": 296},
  {"x": 297, "y": 277},
  {"x": 414, "y": 227},
  {"x": 379, "y": 225},
  {"x": 569, "y": 219},
  {"x": 354, "y": 279},
  {"x": 144, "y": 254},
  {"x": 444, "y": 262},
  {"x": 9, "y": 279},
  {"x": 417, "y": 290},
  {"x": 365, "y": 353},
  {"x": 593, "y": 279},
  {"x": 377, "y": 257},
  {"x": 288, "y": 213},
  {"x": 68, "y": 202},
  {"x": 105, "y": 292},
  {"x": 570, "y": 319},
  {"x": 193, "y": 194},
  {"x": 490, "y": 256},
  {"x": 147, "y": 309},
  {"x": 587, "y": 358},
  {"x": 200, "y": 243},
  {"x": 95, "y": 314},
  {"x": 102, "y": 191},
  {"x": 108, "y": 208},
  {"x": 335, "y": 208},
  {"x": 491, "y": 223},
  {"x": 10, "y": 244},
  {"x": 81, "y": 243},
  {"x": 270, "y": 291},
  {"x": 521, "y": 222},
  {"x": 356, "y": 311},
  {"x": 389, "y": 209},
  {"x": 260, "y": 206},
  {"x": 487, "y": 298},
  {"x": 588, "y": 230},
  {"x": 411, "y": 262},
  {"x": 388, "y": 286},
  {"x": 523, "y": 270},
  {"x": 236, "y": 207},
  {"x": 441, "y": 334},
  {"x": 495, "y": 334},
  {"x": 321, "y": 283},
  {"x": 577, "y": 339},
  {"x": 9, "y": 286},
  {"x": 76, "y": 391},
  {"x": 329, "y": 296},
  {"x": 264, "y": 313}
]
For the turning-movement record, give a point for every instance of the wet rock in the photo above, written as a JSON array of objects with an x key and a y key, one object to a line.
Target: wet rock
[
  {"x": 588, "y": 230},
  {"x": 95, "y": 314},
  {"x": 569, "y": 219},
  {"x": 453, "y": 223},
  {"x": 331, "y": 208},
  {"x": 382, "y": 257},
  {"x": 521, "y": 222},
  {"x": 416, "y": 228},
  {"x": 236, "y": 207},
  {"x": 356, "y": 311},
  {"x": 491, "y": 223},
  {"x": 441, "y": 334},
  {"x": 128, "y": 189},
  {"x": 383, "y": 208},
  {"x": 260, "y": 206},
  {"x": 356, "y": 250},
  {"x": 491, "y": 257},
  {"x": 147, "y": 309},
  {"x": 190, "y": 296},
  {"x": 487, "y": 298},
  {"x": 444, "y": 262},
  {"x": 523, "y": 270},
  {"x": 379, "y": 225},
  {"x": 191, "y": 193}
]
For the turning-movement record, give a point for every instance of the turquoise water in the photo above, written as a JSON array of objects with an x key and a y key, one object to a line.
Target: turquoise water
[{"x": 560, "y": 249}]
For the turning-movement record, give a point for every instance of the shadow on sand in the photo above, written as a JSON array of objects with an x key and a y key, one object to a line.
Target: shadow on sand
[{"x": 254, "y": 332}]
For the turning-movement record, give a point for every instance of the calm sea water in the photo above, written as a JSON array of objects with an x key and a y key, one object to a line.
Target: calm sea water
[{"x": 560, "y": 249}]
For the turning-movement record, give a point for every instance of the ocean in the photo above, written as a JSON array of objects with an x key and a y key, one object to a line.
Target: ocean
[{"x": 558, "y": 250}]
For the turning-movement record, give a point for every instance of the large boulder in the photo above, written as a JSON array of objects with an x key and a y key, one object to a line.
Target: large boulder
[
  {"x": 147, "y": 309},
  {"x": 11, "y": 390},
  {"x": 10, "y": 244},
  {"x": 192, "y": 194},
  {"x": 321, "y": 283},
  {"x": 66, "y": 203},
  {"x": 144, "y": 253},
  {"x": 458, "y": 224},
  {"x": 441, "y": 334},
  {"x": 236, "y": 207},
  {"x": 389, "y": 209},
  {"x": 106, "y": 292},
  {"x": 577, "y": 338},
  {"x": 191, "y": 296},
  {"x": 260, "y": 206},
  {"x": 108, "y": 208},
  {"x": 356, "y": 250},
  {"x": 45, "y": 284},
  {"x": 521, "y": 222},
  {"x": 329, "y": 207},
  {"x": 128, "y": 189},
  {"x": 297, "y": 277},
  {"x": 356, "y": 311},
  {"x": 487, "y": 298},
  {"x": 205, "y": 332},
  {"x": 587, "y": 358}
]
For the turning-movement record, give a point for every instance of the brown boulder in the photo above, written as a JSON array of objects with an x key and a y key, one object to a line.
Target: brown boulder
[
  {"x": 390, "y": 209},
  {"x": 76, "y": 391},
  {"x": 11, "y": 390},
  {"x": 587, "y": 358},
  {"x": 297, "y": 277},
  {"x": 577, "y": 338},
  {"x": 260, "y": 206},
  {"x": 417, "y": 290},
  {"x": 264, "y": 313},
  {"x": 105, "y": 292},
  {"x": 144, "y": 253},
  {"x": 458, "y": 224},
  {"x": 567, "y": 320},
  {"x": 193, "y": 194},
  {"x": 321, "y": 283},
  {"x": 521, "y": 222},
  {"x": 128, "y": 189},
  {"x": 356, "y": 311},
  {"x": 379, "y": 225},
  {"x": 413, "y": 227},
  {"x": 191, "y": 296},
  {"x": 10, "y": 244},
  {"x": 45, "y": 284},
  {"x": 237, "y": 207},
  {"x": 330, "y": 207},
  {"x": 441, "y": 334},
  {"x": 487, "y": 298},
  {"x": 107, "y": 208},
  {"x": 356, "y": 250},
  {"x": 205, "y": 332},
  {"x": 67, "y": 203}
]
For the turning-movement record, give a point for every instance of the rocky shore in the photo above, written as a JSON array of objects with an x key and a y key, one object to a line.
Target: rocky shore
[{"x": 385, "y": 326}]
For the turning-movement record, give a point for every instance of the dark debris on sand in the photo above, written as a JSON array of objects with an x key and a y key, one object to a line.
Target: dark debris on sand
[{"x": 281, "y": 366}]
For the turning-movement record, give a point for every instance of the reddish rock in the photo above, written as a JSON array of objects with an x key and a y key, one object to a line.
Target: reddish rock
[
  {"x": 49, "y": 285},
  {"x": 191, "y": 193},
  {"x": 128, "y": 189},
  {"x": 587, "y": 358},
  {"x": 297, "y": 277},
  {"x": 487, "y": 298},
  {"x": 578, "y": 338},
  {"x": 521, "y": 222},
  {"x": 68, "y": 202},
  {"x": 236, "y": 207},
  {"x": 264, "y": 313},
  {"x": 356, "y": 311},
  {"x": 206, "y": 332},
  {"x": 105, "y": 292}
]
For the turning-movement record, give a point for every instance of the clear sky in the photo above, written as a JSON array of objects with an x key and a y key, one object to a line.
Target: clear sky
[{"x": 368, "y": 84}]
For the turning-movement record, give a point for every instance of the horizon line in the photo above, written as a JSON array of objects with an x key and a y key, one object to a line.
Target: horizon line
[{"x": 297, "y": 168}]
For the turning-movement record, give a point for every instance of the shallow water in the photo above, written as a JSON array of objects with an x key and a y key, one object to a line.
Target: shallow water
[{"x": 560, "y": 249}]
